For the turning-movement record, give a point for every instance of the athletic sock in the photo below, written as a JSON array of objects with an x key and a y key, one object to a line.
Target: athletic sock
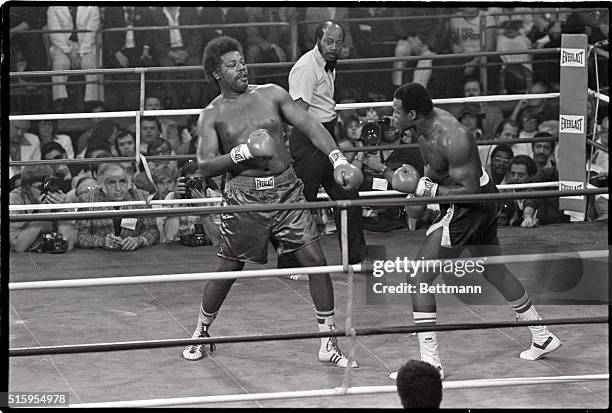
[
  {"x": 205, "y": 320},
  {"x": 428, "y": 341},
  {"x": 525, "y": 311},
  {"x": 325, "y": 321}
]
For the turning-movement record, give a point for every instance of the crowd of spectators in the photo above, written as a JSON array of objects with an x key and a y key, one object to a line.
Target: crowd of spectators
[{"x": 170, "y": 135}]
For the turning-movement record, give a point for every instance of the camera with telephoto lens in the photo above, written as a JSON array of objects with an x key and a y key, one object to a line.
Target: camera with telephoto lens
[
  {"x": 193, "y": 182},
  {"x": 197, "y": 239},
  {"x": 53, "y": 242},
  {"x": 50, "y": 184}
]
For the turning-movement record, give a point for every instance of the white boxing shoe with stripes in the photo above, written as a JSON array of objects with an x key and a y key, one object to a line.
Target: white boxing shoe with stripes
[
  {"x": 332, "y": 354},
  {"x": 538, "y": 350},
  {"x": 196, "y": 351}
]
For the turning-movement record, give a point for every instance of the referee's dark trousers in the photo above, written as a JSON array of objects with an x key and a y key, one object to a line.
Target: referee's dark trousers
[{"x": 314, "y": 169}]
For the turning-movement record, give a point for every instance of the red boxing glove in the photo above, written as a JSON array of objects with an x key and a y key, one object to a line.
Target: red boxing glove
[
  {"x": 348, "y": 176},
  {"x": 405, "y": 179},
  {"x": 415, "y": 211},
  {"x": 259, "y": 144}
]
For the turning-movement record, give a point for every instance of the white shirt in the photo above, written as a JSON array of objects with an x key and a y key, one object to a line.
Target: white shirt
[
  {"x": 309, "y": 81},
  {"x": 129, "y": 35}
]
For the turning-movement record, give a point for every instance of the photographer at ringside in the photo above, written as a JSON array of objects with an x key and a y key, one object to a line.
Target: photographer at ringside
[
  {"x": 39, "y": 186},
  {"x": 193, "y": 230},
  {"x": 378, "y": 172}
]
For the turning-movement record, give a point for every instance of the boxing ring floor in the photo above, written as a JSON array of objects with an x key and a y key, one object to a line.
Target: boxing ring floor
[{"x": 279, "y": 305}]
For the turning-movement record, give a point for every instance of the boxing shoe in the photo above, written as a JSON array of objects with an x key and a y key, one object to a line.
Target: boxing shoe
[
  {"x": 393, "y": 376},
  {"x": 332, "y": 354},
  {"x": 538, "y": 350},
  {"x": 196, "y": 351}
]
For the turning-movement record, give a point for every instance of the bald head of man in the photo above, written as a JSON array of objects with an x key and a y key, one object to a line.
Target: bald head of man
[{"x": 330, "y": 38}]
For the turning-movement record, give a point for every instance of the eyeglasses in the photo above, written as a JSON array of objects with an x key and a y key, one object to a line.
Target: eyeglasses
[{"x": 88, "y": 189}]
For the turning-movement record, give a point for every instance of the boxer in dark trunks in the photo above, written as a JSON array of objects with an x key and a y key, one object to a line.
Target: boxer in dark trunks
[
  {"x": 453, "y": 168},
  {"x": 240, "y": 134}
]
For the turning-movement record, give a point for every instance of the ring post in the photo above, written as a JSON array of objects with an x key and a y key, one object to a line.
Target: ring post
[{"x": 573, "y": 121}]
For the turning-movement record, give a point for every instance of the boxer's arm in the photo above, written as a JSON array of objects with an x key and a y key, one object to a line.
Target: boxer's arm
[
  {"x": 463, "y": 176},
  {"x": 209, "y": 160},
  {"x": 303, "y": 121}
]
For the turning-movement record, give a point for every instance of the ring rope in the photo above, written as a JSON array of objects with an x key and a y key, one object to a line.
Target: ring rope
[
  {"x": 446, "y": 199},
  {"x": 217, "y": 200},
  {"x": 275, "y": 272},
  {"x": 340, "y": 106},
  {"x": 369, "y": 331},
  {"x": 339, "y": 391}
]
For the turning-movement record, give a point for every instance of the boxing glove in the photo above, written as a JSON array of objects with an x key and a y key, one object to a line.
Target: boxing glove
[
  {"x": 415, "y": 211},
  {"x": 426, "y": 187},
  {"x": 405, "y": 179},
  {"x": 348, "y": 176},
  {"x": 259, "y": 144}
]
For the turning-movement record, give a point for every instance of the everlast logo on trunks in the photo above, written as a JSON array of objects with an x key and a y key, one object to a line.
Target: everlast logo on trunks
[
  {"x": 571, "y": 124},
  {"x": 572, "y": 57},
  {"x": 264, "y": 183}
]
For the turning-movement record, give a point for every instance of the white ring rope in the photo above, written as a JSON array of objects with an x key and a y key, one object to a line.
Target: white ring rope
[
  {"x": 275, "y": 272},
  {"x": 600, "y": 96},
  {"x": 217, "y": 200},
  {"x": 340, "y": 106},
  {"x": 339, "y": 391}
]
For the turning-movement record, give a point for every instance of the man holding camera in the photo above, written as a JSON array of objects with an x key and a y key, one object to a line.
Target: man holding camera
[
  {"x": 125, "y": 234},
  {"x": 311, "y": 86},
  {"x": 42, "y": 236},
  {"x": 193, "y": 230}
]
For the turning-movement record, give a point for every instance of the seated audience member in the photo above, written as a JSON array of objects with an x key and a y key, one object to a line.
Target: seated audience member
[
  {"x": 419, "y": 385},
  {"x": 150, "y": 129},
  {"x": 53, "y": 151},
  {"x": 102, "y": 136},
  {"x": 169, "y": 127},
  {"x": 130, "y": 48},
  {"x": 158, "y": 147},
  {"x": 125, "y": 146},
  {"x": 516, "y": 75},
  {"x": 259, "y": 47},
  {"x": 188, "y": 138},
  {"x": 543, "y": 153},
  {"x": 548, "y": 208},
  {"x": 471, "y": 117},
  {"x": 522, "y": 170},
  {"x": 545, "y": 109},
  {"x": 499, "y": 165},
  {"x": 47, "y": 132},
  {"x": 378, "y": 174},
  {"x": 492, "y": 114},
  {"x": 84, "y": 186},
  {"x": 164, "y": 178},
  {"x": 506, "y": 129},
  {"x": 184, "y": 228},
  {"x": 599, "y": 159},
  {"x": 415, "y": 38},
  {"x": 82, "y": 141},
  {"x": 36, "y": 188},
  {"x": 178, "y": 47},
  {"x": 528, "y": 123},
  {"x": 23, "y": 146},
  {"x": 72, "y": 50},
  {"x": 125, "y": 234}
]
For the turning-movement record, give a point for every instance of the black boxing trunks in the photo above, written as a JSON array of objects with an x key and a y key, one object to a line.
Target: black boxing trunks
[
  {"x": 470, "y": 224},
  {"x": 244, "y": 236}
]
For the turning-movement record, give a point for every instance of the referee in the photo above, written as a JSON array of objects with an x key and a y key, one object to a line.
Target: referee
[{"x": 311, "y": 85}]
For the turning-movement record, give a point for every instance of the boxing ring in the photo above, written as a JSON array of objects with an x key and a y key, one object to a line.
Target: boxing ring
[{"x": 250, "y": 357}]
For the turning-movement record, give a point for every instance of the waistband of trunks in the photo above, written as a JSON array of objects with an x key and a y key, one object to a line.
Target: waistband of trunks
[{"x": 262, "y": 182}]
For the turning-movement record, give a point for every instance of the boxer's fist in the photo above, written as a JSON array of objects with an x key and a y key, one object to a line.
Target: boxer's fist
[
  {"x": 259, "y": 144},
  {"x": 415, "y": 211},
  {"x": 405, "y": 179},
  {"x": 426, "y": 187},
  {"x": 348, "y": 176}
]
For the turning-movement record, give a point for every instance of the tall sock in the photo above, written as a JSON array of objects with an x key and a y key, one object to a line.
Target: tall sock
[
  {"x": 526, "y": 311},
  {"x": 205, "y": 320},
  {"x": 325, "y": 321},
  {"x": 428, "y": 341}
]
